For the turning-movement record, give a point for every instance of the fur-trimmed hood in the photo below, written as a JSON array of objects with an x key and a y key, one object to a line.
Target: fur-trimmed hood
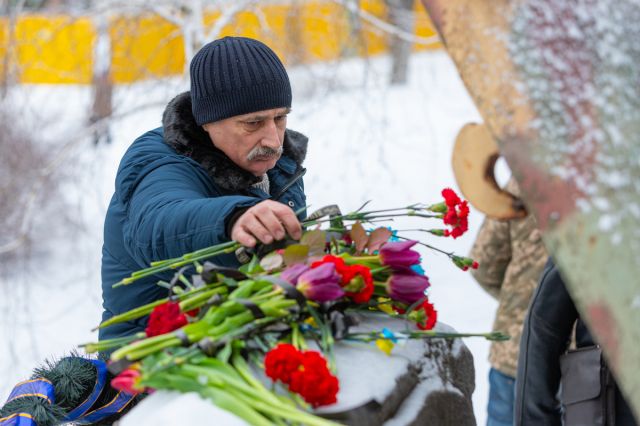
[{"x": 183, "y": 135}]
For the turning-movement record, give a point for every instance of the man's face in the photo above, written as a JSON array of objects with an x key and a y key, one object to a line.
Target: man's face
[{"x": 252, "y": 141}]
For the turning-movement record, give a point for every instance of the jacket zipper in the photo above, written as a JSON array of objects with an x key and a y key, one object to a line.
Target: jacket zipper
[{"x": 298, "y": 175}]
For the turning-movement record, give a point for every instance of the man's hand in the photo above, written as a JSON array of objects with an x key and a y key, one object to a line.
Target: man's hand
[{"x": 267, "y": 221}]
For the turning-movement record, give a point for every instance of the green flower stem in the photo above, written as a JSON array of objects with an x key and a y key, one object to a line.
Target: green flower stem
[
  {"x": 161, "y": 266},
  {"x": 244, "y": 371},
  {"x": 145, "y": 347},
  {"x": 200, "y": 299},
  {"x": 167, "y": 361},
  {"x": 194, "y": 254},
  {"x": 450, "y": 254},
  {"x": 254, "y": 398},
  {"x": 420, "y": 334},
  {"x": 248, "y": 288},
  {"x": 355, "y": 260},
  {"x": 274, "y": 308},
  {"x": 218, "y": 396},
  {"x": 111, "y": 343},
  {"x": 185, "y": 304},
  {"x": 327, "y": 341},
  {"x": 296, "y": 337},
  {"x": 229, "y": 402},
  {"x": 370, "y": 216},
  {"x": 284, "y": 411},
  {"x": 411, "y": 207},
  {"x": 132, "y": 314},
  {"x": 380, "y": 286},
  {"x": 266, "y": 296}
]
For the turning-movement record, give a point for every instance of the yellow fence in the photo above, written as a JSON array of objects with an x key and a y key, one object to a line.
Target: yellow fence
[{"x": 59, "y": 49}]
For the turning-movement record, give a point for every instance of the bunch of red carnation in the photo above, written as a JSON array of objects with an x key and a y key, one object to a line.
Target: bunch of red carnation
[
  {"x": 356, "y": 280},
  {"x": 457, "y": 214},
  {"x": 304, "y": 372}
]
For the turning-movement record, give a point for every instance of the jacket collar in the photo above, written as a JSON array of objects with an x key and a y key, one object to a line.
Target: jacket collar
[{"x": 187, "y": 138}]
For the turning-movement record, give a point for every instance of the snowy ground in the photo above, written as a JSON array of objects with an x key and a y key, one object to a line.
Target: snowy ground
[{"x": 368, "y": 141}]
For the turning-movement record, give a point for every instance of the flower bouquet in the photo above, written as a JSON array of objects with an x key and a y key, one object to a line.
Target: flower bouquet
[{"x": 240, "y": 337}]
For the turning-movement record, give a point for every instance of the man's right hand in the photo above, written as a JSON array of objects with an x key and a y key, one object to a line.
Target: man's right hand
[{"x": 267, "y": 221}]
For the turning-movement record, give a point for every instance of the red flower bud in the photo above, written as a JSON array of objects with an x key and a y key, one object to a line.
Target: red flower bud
[{"x": 127, "y": 381}]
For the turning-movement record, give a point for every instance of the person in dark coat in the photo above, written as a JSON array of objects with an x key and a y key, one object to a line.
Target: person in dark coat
[
  {"x": 546, "y": 336},
  {"x": 222, "y": 167}
]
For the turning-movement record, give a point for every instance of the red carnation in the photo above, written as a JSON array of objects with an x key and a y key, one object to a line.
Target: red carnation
[
  {"x": 316, "y": 388},
  {"x": 313, "y": 380},
  {"x": 450, "y": 197},
  {"x": 165, "y": 318},
  {"x": 358, "y": 283},
  {"x": 281, "y": 361},
  {"x": 425, "y": 316}
]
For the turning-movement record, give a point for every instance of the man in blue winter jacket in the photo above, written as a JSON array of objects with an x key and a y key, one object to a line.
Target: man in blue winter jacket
[{"x": 222, "y": 167}]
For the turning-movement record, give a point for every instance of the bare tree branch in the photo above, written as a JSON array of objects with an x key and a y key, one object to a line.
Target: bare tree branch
[
  {"x": 228, "y": 13},
  {"x": 386, "y": 27}
]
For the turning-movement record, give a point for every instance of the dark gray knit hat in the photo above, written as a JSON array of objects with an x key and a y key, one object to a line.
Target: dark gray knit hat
[{"x": 236, "y": 75}]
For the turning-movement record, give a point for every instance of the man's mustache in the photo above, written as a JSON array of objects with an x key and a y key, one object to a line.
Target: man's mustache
[{"x": 264, "y": 153}]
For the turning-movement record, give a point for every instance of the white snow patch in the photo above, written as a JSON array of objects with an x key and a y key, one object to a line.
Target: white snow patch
[{"x": 169, "y": 408}]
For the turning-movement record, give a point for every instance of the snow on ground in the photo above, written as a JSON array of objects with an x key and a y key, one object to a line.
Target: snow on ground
[{"x": 368, "y": 141}]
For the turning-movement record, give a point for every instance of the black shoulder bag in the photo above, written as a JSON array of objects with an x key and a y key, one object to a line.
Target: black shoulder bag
[{"x": 587, "y": 391}]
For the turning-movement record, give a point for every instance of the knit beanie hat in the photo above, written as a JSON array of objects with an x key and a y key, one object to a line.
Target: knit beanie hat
[{"x": 236, "y": 75}]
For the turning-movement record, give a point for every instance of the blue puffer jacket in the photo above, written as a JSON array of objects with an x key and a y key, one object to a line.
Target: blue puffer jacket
[{"x": 176, "y": 193}]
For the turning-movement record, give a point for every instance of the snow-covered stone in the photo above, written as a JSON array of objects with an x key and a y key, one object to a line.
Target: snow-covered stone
[{"x": 423, "y": 381}]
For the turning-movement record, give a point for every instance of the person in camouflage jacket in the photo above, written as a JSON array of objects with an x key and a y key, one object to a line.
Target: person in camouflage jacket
[{"x": 511, "y": 257}]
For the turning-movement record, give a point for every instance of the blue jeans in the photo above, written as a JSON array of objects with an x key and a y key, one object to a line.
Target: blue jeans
[{"x": 502, "y": 392}]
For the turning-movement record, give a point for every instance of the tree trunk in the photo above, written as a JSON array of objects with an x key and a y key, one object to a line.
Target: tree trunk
[{"x": 400, "y": 15}]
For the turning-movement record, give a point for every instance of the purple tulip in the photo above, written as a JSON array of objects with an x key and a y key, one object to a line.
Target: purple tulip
[
  {"x": 292, "y": 273},
  {"x": 407, "y": 286},
  {"x": 321, "y": 283},
  {"x": 399, "y": 254}
]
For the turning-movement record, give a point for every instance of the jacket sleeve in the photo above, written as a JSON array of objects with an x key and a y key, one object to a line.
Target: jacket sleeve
[
  {"x": 492, "y": 251},
  {"x": 171, "y": 212},
  {"x": 545, "y": 337}
]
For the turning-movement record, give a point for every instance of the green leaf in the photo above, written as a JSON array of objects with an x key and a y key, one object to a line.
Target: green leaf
[
  {"x": 378, "y": 237},
  {"x": 316, "y": 240},
  {"x": 296, "y": 253},
  {"x": 252, "y": 267},
  {"x": 359, "y": 236},
  {"x": 271, "y": 261}
]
